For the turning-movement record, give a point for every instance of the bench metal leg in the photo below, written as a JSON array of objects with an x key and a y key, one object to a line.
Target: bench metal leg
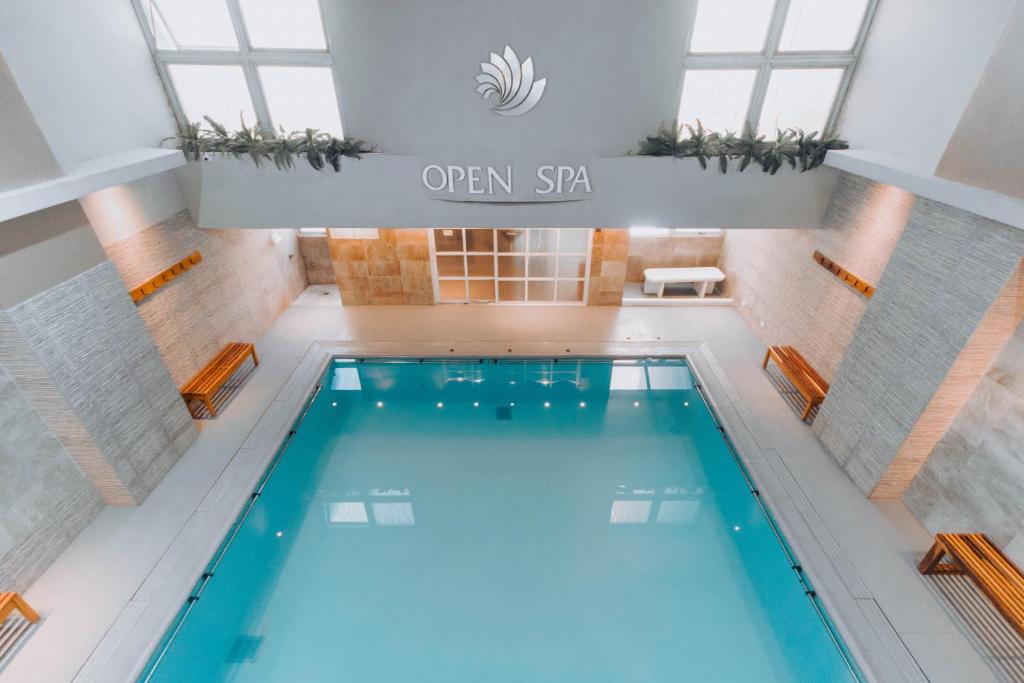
[
  {"x": 767, "y": 355},
  {"x": 703, "y": 289},
  {"x": 807, "y": 410},
  {"x": 255, "y": 358},
  {"x": 209, "y": 406}
]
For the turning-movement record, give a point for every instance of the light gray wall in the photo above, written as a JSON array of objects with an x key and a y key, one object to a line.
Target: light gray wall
[
  {"x": 121, "y": 211},
  {"x": 985, "y": 148},
  {"x": 406, "y": 71},
  {"x": 773, "y": 280},
  {"x": 947, "y": 269},
  {"x": 386, "y": 190},
  {"x": 44, "y": 498},
  {"x": 973, "y": 479},
  {"x": 42, "y": 249},
  {"x": 26, "y": 156},
  {"x": 920, "y": 65},
  {"x": 87, "y": 76}
]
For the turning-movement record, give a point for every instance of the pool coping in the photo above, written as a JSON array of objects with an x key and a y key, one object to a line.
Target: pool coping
[{"x": 130, "y": 642}]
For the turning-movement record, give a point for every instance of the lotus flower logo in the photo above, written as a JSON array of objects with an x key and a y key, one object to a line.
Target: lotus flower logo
[{"x": 512, "y": 82}]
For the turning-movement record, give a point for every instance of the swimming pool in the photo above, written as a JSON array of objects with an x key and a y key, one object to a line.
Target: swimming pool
[{"x": 503, "y": 520}]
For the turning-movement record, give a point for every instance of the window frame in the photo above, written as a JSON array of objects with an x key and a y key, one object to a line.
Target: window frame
[
  {"x": 526, "y": 253},
  {"x": 246, "y": 56},
  {"x": 770, "y": 57}
]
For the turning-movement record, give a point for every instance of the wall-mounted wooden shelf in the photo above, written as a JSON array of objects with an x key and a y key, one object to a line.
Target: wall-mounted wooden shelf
[
  {"x": 154, "y": 283},
  {"x": 862, "y": 286}
]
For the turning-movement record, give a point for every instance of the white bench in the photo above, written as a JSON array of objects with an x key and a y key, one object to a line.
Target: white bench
[{"x": 702, "y": 279}]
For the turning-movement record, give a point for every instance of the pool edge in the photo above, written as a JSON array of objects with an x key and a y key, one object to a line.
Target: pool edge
[{"x": 879, "y": 656}]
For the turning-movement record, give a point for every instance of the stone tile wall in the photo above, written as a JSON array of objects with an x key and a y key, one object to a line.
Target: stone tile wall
[
  {"x": 39, "y": 387},
  {"x": 988, "y": 339},
  {"x": 88, "y": 415},
  {"x": 975, "y": 475},
  {"x": 946, "y": 271},
  {"x": 242, "y": 284},
  {"x": 671, "y": 252},
  {"x": 45, "y": 500},
  {"x": 392, "y": 269},
  {"x": 87, "y": 337},
  {"x": 773, "y": 280},
  {"x": 317, "y": 257},
  {"x": 609, "y": 255}
]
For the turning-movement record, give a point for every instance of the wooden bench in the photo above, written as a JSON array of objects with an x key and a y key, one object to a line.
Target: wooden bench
[
  {"x": 12, "y": 601},
  {"x": 806, "y": 379},
  {"x": 211, "y": 378},
  {"x": 979, "y": 558}
]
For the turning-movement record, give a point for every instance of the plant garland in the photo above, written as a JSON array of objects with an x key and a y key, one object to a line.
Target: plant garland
[
  {"x": 792, "y": 146},
  {"x": 319, "y": 149}
]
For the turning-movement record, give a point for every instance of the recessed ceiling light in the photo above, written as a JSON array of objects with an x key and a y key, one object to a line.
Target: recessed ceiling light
[
  {"x": 440, "y": 404},
  {"x": 583, "y": 404},
  {"x": 547, "y": 404}
]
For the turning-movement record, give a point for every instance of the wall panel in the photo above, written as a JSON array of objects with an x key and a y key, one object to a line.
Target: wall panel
[
  {"x": 772, "y": 278},
  {"x": 242, "y": 284},
  {"x": 946, "y": 271}
]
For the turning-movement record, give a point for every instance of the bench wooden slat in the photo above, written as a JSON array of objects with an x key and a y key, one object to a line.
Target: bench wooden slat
[
  {"x": 797, "y": 370},
  {"x": 205, "y": 383},
  {"x": 979, "y": 558}
]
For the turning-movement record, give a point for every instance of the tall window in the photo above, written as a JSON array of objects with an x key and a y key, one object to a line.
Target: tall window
[
  {"x": 522, "y": 265},
  {"x": 266, "y": 61},
  {"x": 773, "y": 63}
]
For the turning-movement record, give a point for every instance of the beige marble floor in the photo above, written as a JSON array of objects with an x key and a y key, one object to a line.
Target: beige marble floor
[{"x": 84, "y": 595}]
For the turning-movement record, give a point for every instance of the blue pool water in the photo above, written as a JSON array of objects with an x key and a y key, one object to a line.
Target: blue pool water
[{"x": 504, "y": 521}]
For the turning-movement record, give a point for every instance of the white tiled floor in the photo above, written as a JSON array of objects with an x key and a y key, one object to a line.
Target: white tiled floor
[{"x": 91, "y": 584}]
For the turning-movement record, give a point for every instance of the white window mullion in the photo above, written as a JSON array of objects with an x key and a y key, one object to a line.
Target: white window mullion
[
  {"x": 252, "y": 79},
  {"x": 494, "y": 253},
  {"x": 837, "y": 103},
  {"x": 259, "y": 101},
  {"x": 465, "y": 263},
  {"x": 844, "y": 84},
  {"x": 778, "y": 22},
  {"x": 235, "y": 12},
  {"x": 771, "y": 59},
  {"x": 757, "y": 97},
  {"x": 775, "y": 28}
]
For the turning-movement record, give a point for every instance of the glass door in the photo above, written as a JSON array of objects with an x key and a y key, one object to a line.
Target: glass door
[{"x": 511, "y": 265}]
